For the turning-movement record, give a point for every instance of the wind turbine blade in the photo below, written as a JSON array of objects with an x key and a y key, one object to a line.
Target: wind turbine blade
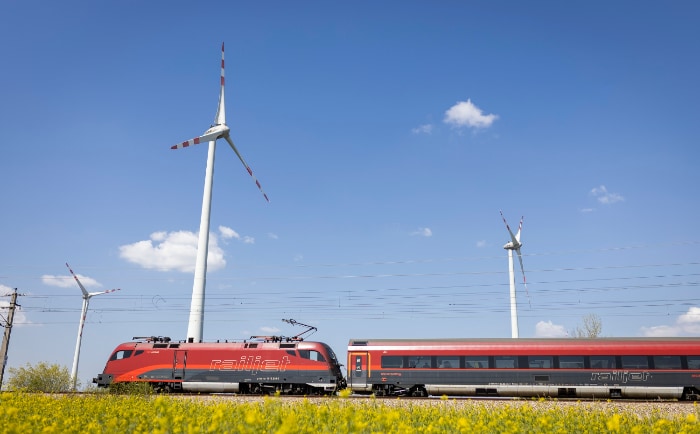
[
  {"x": 512, "y": 237},
  {"x": 520, "y": 258},
  {"x": 82, "y": 288},
  {"x": 220, "y": 118},
  {"x": 104, "y": 292},
  {"x": 197, "y": 140},
  {"x": 520, "y": 228},
  {"x": 250, "y": 172}
]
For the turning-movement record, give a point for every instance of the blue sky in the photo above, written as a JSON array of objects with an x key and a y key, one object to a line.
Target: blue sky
[{"x": 388, "y": 135}]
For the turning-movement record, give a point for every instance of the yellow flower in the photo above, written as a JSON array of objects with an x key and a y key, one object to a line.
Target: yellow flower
[{"x": 613, "y": 423}]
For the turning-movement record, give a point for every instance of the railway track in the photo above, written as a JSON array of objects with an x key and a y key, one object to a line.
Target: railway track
[{"x": 642, "y": 408}]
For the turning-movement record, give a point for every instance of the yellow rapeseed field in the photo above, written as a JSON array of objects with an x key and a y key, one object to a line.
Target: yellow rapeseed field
[{"x": 102, "y": 413}]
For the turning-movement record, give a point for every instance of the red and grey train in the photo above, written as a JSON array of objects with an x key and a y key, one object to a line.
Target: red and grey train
[
  {"x": 265, "y": 364},
  {"x": 601, "y": 368}
]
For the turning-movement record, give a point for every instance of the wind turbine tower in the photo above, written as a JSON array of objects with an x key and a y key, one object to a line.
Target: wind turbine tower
[
  {"x": 217, "y": 131},
  {"x": 86, "y": 302},
  {"x": 514, "y": 244}
]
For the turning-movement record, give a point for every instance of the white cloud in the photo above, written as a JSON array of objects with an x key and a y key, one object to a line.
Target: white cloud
[
  {"x": 69, "y": 281},
  {"x": 587, "y": 210},
  {"x": 481, "y": 243},
  {"x": 159, "y": 236},
  {"x": 546, "y": 329},
  {"x": 423, "y": 232},
  {"x": 166, "y": 251},
  {"x": 466, "y": 114},
  {"x": 228, "y": 233},
  {"x": 271, "y": 330},
  {"x": 603, "y": 196},
  {"x": 685, "y": 325},
  {"x": 690, "y": 321},
  {"x": 662, "y": 331},
  {"x": 272, "y": 236},
  {"x": 423, "y": 129}
]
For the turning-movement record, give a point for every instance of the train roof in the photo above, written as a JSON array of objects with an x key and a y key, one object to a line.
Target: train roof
[
  {"x": 526, "y": 341},
  {"x": 687, "y": 345},
  {"x": 165, "y": 342}
]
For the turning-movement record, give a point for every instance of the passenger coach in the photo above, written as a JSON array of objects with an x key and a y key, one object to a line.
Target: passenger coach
[{"x": 643, "y": 368}]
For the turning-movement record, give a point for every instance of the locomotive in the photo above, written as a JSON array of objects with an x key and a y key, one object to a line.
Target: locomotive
[
  {"x": 600, "y": 368},
  {"x": 260, "y": 365}
]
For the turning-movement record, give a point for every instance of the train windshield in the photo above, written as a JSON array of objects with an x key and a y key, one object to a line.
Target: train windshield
[
  {"x": 121, "y": 354},
  {"x": 331, "y": 354}
]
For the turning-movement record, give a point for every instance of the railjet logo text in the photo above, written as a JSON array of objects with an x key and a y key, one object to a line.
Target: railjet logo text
[
  {"x": 253, "y": 364},
  {"x": 620, "y": 376}
]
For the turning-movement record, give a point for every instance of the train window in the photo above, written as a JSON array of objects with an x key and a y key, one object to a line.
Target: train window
[
  {"x": 635, "y": 362},
  {"x": 291, "y": 352},
  {"x": 121, "y": 354},
  {"x": 603, "y": 362},
  {"x": 505, "y": 362},
  {"x": 138, "y": 353},
  {"x": 312, "y": 355},
  {"x": 571, "y": 362},
  {"x": 540, "y": 362},
  {"x": 448, "y": 362},
  {"x": 693, "y": 362},
  {"x": 667, "y": 362},
  {"x": 418, "y": 362},
  {"x": 476, "y": 362},
  {"x": 392, "y": 362}
]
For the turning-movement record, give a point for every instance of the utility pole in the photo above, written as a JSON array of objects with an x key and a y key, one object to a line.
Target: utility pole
[{"x": 6, "y": 336}]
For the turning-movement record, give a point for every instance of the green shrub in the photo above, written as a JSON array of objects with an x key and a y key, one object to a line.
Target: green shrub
[{"x": 44, "y": 377}]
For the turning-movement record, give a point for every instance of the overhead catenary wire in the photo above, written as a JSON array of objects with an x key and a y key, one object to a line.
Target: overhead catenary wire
[{"x": 404, "y": 292}]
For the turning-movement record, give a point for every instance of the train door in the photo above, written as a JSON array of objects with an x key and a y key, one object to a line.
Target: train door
[
  {"x": 359, "y": 371},
  {"x": 179, "y": 364}
]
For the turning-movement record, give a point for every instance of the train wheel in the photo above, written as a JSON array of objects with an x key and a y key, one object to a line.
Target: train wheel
[
  {"x": 161, "y": 388},
  {"x": 690, "y": 394},
  {"x": 419, "y": 391}
]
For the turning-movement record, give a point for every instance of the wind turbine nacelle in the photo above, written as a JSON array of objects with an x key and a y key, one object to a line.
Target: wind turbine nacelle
[
  {"x": 510, "y": 246},
  {"x": 219, "y": 128}
]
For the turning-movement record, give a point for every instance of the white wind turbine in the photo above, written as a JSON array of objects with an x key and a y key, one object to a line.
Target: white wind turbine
[
  {"x": 86, "y": 301},
  {"x": 514, "y": 244},
  {"x": 217, "y": 131}
]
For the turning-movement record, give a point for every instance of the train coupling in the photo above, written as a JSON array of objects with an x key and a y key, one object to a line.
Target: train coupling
[{"x": 103, "y": 380}]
